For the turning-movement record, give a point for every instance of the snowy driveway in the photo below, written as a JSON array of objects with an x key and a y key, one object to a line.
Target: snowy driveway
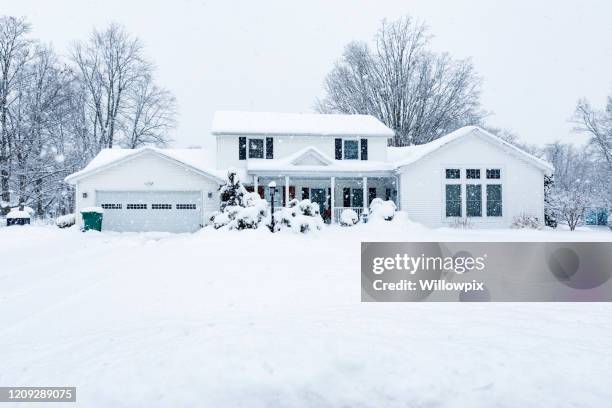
[{"x": 257, "y": 320}]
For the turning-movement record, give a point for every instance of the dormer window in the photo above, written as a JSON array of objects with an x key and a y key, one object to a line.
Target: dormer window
[{"x": 351, "y": 149}]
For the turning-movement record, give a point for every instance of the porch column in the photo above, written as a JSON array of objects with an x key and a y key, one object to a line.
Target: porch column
[
  {"x": 286, "y": 190},
  {"x": 331, "y": 202},
  {"x": 365, "y": 194}
]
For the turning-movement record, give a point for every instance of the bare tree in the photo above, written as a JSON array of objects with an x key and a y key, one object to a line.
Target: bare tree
[
  {"x": 578, "y": 185},
  {"x": 110, "y": 66},
  {"x": 150, "y": 114},
  {"x": 419, "y": 94},
  {"x": 14, "y": 54},
  {"x": 598, "y": 125}
]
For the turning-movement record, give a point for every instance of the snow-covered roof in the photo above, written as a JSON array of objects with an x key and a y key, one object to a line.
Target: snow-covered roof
[
  {"x": 312, "y": 160},
  {"x": 402, "y": 156},
  {"x": 199, "y": 160},
  {"x": 272, "y": 123}
]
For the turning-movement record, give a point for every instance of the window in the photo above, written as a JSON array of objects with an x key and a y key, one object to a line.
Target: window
[
  {"x": 472, "y": 173},
  {"x": 346, "y": 197},
  {"x": 453, "y": 200},
  {"x": 161, "y": 206},
  {"x": 185, "y": 206},
  {"x": 453, "y": 173},
  {"x": 351, "y": 149},
  {"x": 256, "y": 148},
  {"x": 387, "y": 194},
  {"x": 111, "y": 206},
  {"x": 357, "y": 197},
  {"x": 136, "y": 206},
  {"x": 493, "y": 173},
  {"x": 371, "y": 194},
  {"x": 473, "y": 200},
  {"x": 494, "y": 200}
]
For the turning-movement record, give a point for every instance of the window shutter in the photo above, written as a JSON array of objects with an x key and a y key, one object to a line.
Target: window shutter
[
  {"x": 260, "y": 191},
  {"x": 242, "y": 141},
  {"x": 338, "y": 149},
  {"x": 269, "y": 148},
  {"x": 364, "y": 149},
  {"x": 291, "y": 192},
  {"x": 305, "y": 193}
]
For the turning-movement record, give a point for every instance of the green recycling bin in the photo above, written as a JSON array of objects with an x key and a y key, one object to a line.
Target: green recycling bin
[{"x": 92, "y": 219}]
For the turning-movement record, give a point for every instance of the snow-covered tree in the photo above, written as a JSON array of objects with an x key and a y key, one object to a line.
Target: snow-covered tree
[
  {"x": 232, "y": 192},
  {"x": 419, "y": 94}
]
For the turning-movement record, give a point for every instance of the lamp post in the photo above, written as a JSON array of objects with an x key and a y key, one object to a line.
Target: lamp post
[{"x": 272, "y": 187}]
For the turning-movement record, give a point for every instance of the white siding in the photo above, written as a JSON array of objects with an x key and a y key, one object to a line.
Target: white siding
[
  {"x": 422, "y": 183},
  {"x": 136, "y": 174},
  {"x": 227, "y": 148}
]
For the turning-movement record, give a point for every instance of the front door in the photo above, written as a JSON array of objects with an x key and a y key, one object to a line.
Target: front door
[{"x": 318, "y": 195}]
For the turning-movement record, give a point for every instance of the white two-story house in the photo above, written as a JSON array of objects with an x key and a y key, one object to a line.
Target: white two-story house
[{"x": 337, "y": 161}]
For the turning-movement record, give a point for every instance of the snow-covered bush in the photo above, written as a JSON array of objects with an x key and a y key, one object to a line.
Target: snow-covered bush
[
  {"x": 380, "y": 209},
  {"x": 526, "y": 221},
  {"x": 610, "y": 219},
  {"x": 250, "y": 216},
  {"x": 301, "y": 216},
  {"x": 65, "y": 221},
  {"x": 232, "y": 192},
  {"x": 348, "y": 218}
]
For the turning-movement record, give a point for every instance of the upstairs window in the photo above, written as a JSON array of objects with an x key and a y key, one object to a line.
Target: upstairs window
[
  {"x": 136, "y": 206},
  {"x": 351, "y": 150},
  {"x": 493, "y": 173},
  {"x": 161, "y": 206},
  {"x": 111, "y": 206},
  {"x": 472, "y": 173},
  {"x": 453, "y": 173},
  {"x": 185, "y": 206},
  {"x": 256, "y": 148}
]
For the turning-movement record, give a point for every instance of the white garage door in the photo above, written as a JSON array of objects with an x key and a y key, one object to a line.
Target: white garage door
[{"x": 173, "y": 211}]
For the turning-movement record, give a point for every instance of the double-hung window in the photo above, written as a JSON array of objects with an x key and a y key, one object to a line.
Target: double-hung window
[
  {"x": 351, "y": 149},
  {"x": 256, "y": 148}
]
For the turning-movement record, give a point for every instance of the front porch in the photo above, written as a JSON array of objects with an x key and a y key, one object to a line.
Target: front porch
[{"x": 334, "y": 194}]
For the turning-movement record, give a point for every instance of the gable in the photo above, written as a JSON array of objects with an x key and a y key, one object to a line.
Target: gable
[
  {"x": 142, "y": 163},
  {"x": 310, "y": 160},
  {"x": 472, "y": 145}
]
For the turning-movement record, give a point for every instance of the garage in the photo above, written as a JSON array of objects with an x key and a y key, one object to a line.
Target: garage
[{"x": 172, "y": 211}]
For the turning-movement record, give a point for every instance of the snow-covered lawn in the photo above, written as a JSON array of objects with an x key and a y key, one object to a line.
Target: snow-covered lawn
[{"x": 251, "y": 319}]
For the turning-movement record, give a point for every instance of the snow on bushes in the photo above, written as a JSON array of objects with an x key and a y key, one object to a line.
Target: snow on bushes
[
  {"x": 239, "y": 209},
  {"x": 348, "y": 218},
  {"x": 65, "y": 221},
  {"x": 525, "y": 221},
  {"x": 380, "y": 209},
  {"x": 299, "y": 216}
]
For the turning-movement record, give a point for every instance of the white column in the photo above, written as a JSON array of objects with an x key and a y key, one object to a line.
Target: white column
[
  {"x": 332, "y": 201},
  {"x": 286, "y": 190},
  {"x": 365, "y": 193},
  {"x": 255, "y": 179}
]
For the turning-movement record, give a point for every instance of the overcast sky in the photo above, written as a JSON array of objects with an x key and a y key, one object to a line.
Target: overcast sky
[{"x": 536, "y": 57}]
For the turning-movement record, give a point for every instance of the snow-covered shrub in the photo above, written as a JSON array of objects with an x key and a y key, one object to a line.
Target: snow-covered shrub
[
  {"x": 232, "y": 192},
  {"x": 380, "y": 209},
  {"x": 526, "y": 221},
  {"x": 65, "y": 221},
  {"x": 250, "y": 216},
  {"x": 239, "y": 209},
  {"x": 610, "y": 219},
  {"x": 348, "y": 218},
  {"x": 303, "y": 216}
]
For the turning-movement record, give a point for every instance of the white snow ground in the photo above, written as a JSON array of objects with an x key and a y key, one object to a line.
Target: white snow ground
[{"x": 251, "y": 319}]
